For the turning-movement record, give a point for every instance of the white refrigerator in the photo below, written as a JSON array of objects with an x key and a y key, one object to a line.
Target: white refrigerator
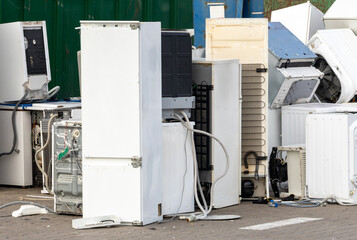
[{"x": 121, "y": 116}]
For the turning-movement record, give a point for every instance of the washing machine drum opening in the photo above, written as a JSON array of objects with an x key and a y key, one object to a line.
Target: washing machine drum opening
[{"x": 329, "y": 89}]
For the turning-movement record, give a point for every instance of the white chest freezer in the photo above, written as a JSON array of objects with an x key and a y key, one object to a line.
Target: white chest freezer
[
  {"x": 121, "y": 120},
  {"x": 331, "y": 160}
]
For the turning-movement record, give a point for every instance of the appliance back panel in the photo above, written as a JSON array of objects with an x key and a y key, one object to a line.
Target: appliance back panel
[{"x": 35, "y": 52}]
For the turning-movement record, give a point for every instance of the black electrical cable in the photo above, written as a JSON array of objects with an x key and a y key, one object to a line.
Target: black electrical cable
[
  {"x": 13, "y": 121},
  {"x": 257, "y": 159}
]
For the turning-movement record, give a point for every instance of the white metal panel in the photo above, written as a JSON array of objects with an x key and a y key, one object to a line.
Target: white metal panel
[
  {"x": 342, "y": 14},
  {"x": 177, "y": 169},
  {"x": 303, "y": 20},
  {"x": 150, "y": 124},
  {"x": 329, "y": 164},
  {"x": 274, "y": 140},
  {"x": 13, "y": 65},
  {"x": 225, "y": 102},
  {"x": 294, "y": 120},
  {"x": 16, "y": 169},
  {"x": 110, "y": 84},
  {"x": 339, "y": 48},
  {"x": 111, "y": 186},
  {"x": 315, "y": 22},
  {"x": 246, "y": 40}
]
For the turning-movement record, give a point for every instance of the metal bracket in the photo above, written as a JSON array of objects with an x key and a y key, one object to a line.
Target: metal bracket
[
  {"x": 136, "y": 162},
  {"x": 137, "y": 223},
  {"x": 260, "y": 70}
]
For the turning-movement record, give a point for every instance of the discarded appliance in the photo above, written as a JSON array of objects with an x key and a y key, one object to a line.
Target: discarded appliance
[
  {"x": 247, "y": 40},
  {"x": 176, "y": 73},
  {"x": 19, "y": 168},
  {"x": 342, "y": 14},
  {"x": 41, "y": 113},
  {"x": 24, "y": 61},
  {"x": 292, "y": 162},
  {"x": 16, "y": 168},
  {"x": 177, "y": 169},
  {"x": 292, "y": 78},
  {"x": 67, "y": 167},
  {"x": 337, "y": 53},
  {"x": 121, "y": 165},
  {"x": 217, "y": 88},
  {"x": 303, "y": 20},
  {"x": 294, "y": 120},
  {"x": 330, "y": 156}
]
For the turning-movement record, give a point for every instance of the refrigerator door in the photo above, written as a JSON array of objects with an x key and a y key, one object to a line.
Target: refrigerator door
[
  {"x": 121, "y": 105},
  {"x": 225, "y": 99}
]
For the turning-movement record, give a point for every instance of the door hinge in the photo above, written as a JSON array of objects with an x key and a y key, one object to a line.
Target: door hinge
[
  {"x": 260, "y": 70},
  {"x": 137, "y": 223},
  {"x": 136, "y": 162}
]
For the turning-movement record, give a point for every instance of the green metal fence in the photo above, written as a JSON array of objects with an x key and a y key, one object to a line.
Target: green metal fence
[{"x": 63, "y": 16}]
